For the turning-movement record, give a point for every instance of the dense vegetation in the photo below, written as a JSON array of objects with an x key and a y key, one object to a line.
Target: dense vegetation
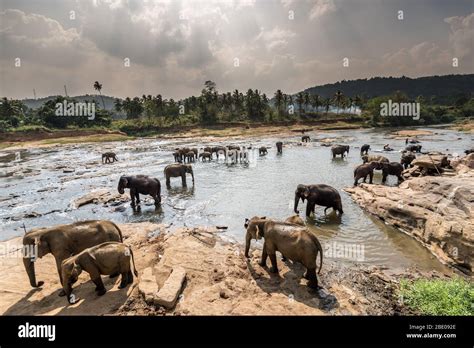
[
  {"x": 438, "y": 297},
  {"x": 211, "y": 107}
]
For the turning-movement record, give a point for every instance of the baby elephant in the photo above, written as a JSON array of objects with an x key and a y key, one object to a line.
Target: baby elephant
[
  {"x": 262, "y": 151},
  {"x": 364, "y": 170},
  {"x": 292, "y": 241},
  {"x": 109, "y": 157},
  {"x": 205, "y": 155},
  {"x": 305, "y": 139},
  {"x": 110, "y": 258}
]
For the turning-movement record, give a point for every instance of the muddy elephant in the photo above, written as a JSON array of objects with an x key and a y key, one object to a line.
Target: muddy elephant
[
  {"x": 205, "y": 155},
  {"x": 110, "y": 258},
  {"x": 392, "y": 168},
  {"x": 321, "y": 194},
  {"x": 406, "y": 159},
  {"x": 364, "y": 149},
  {"x": 176, "y": 170},
  {"x": 109, "y": 157},
  {"x": 279, "y": 146},
  {"x": 374, "y": 158},
  {"x": 140, "y": 184},
  {"x": 305, "y": 139},
  {"x": 413, "y": 148},
  {"x": 62, "y": 241},
  {"x": 339, "y": 150},
  {"x": 294, "y": 242},
  {"x": 364, "y": 170},
  {"x": 262, "y": 151}
]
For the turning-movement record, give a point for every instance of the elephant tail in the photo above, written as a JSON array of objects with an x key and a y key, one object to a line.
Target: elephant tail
[
  {"x": 320, "y": 249},
  {"x": 119, "y": 231},
  {"x": 133, "y": 262}
]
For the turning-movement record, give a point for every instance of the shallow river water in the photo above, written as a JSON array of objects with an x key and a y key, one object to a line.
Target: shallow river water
[{"x": 32, "y": 181}]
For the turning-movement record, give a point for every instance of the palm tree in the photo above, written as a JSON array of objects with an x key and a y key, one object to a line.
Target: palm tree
[
  {"x": 118, "y": 105},
  {"x": 327, "y": 104},
  {"x": 338, "y": 99},
  {"x": 307, "y": 101},
  {"x": 98, "y": 87},
  {"x": 316, "y": 101},
  {"x": 278, "y": 100},
  {"x": 300, "y": 101}
]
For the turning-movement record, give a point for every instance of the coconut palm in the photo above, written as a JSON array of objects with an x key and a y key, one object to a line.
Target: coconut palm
[
  {"x": 338, "y": 99},
  {"x": 98, "y": 87},
  {"x": 278, "y": 100}
]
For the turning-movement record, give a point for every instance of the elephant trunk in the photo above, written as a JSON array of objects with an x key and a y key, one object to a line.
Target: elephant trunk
[
  {"x": 297, "y": 199},
  {"x": 30, "y": 270},
  {"x": 248, "y": 238}
]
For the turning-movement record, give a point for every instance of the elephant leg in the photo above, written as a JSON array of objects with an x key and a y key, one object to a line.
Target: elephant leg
[
  {"x": 183, "y": 180},
  {"x": 132, "y": 196},
  {"x": 168, "y": 181},
  {"x": 365, "y": 178},
  {"x": 325, "y": 209},
  {"x": 130, "y": 277},
  {"x": 99, "y": 285},
  {"x": 308, "y": 209},
  {"x": 58, "y": 267},
  {"x": 312, "y": 278},
  {"x": 124, "y": 281},
  {"x": 384, "y": 177},
  {"x": 137, "y": 196},
  {"x": 371, "y": 176},
  {"x": 273, "y": 260},
  {"x": 263, "y": 261}
]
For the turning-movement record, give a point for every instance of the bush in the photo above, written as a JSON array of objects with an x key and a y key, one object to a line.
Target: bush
[{"x": 439, "y": 297}]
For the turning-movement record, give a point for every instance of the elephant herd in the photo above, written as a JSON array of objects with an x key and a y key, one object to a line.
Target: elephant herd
[{"x": 97, "y": 246}]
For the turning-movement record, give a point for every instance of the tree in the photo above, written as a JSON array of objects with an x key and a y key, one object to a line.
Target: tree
[
  {"x": 307, "y": 101},
  {"x": 279, "y": 98},
  {"x": 338, "y": 99},
  {"x": 98, "y": 87},
  {"x": 300, "y": 102},
  {"x": 316, "y": 101}
]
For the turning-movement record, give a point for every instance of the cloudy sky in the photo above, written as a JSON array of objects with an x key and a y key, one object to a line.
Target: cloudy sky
[{"x": 174, "y": 46}]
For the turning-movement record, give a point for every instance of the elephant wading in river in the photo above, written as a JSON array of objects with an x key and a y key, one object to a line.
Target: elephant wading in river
[
  {"x": 364, "y": 149},
  {"x": 110, "y": 157},
  {"x": 413, "y": 148},
  {"x": 364, "y": 170},
  {"x": 140, "y": 184},
  {"x": 294, "y": 242},
  {"x": 205, "y": 155},
  {"x": 109, "y": 258},
  {"x": 374, "y": 158},
  {"x": 321, "y": 194},
  {"x": 279, "y": 146},
  {"x": 63, "y": 241},
  {"x": 176, "y": 170},
  {"x": 406, "y": 159},
  {"x": 262, "y": 151},
  {"x": 339, "y": 150}
]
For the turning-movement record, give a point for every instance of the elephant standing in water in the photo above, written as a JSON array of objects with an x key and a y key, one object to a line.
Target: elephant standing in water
[
  {"x": 293, "y": 241},
  {"x": 364, "y": 149},
  {"x": 321, "y": 194},
  {"x": 63, "y": 241},
  {"x": 140, "y": 184},
  {"x": 406, "y": 159},
  {"x": 110, "y": 157},
  {"x": 364, "y": 170},
  {"x": 279, "y": 146},
  {"x": 176, "y": 170},
  {"x": 339, "y": 150},
  {"x": 374, "y": 158},
  {"x": 262, "y": 151},
  {"x": 305, "y": 139}
]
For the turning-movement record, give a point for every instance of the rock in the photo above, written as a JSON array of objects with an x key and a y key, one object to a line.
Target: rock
[
  {"x": 97, "y": 196},
  {"x": 68, "y": 170},
  {"x": 463, "y": 164},
  {"x": 435, "y": 210},
  {"x": 431, "y": 161},
  {"x": 170, "y": 291},
  {"x": 147, "y": 285}
]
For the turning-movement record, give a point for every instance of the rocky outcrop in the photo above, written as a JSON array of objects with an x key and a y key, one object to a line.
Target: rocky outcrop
[{"x": 436, "y": 210}]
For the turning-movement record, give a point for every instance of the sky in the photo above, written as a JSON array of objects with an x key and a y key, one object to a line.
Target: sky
[{"x": 172, "y": 47}]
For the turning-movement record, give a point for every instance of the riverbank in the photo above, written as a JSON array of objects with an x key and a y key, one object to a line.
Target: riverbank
[{"x": 219, "y": 281}]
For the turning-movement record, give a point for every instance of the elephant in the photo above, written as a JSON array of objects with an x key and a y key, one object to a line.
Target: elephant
[
  {"x": 295, "y": 219},
  {"x": 140, "y": 184},
  {"x": 110, "y": 258},
  {"x": 392, "y": 168},
  {"x": 219, "y": 150},
  {"x": 469, "y": 151},
  {"x": 339, "y": 150},
  {"x": 407, "y": 158},
  {"x": 63, "y": 241},
  {"x": 305, "y": 139},
  {"x": 233, "y": 147},
  {"x": 413, "y": 148},
  {"x": 182, "y": 153},
  {"x": 204, "y": 155},
  {"x": 364, "y": 149},
  {"x": 177, "y": 156},
  {"x": 175, "y": 170},
  {"x": 387, "y": 147},
  {"x": 374, "y": 158},
  {"x": 262, "y": 151},
  {"x": 190, "y": 156},
  {"x": 110, "y": 157},
  {"x": 411, "y": 141},
  {"x": 195, "y": 150},
  {"x": 207, "y": 149},
  {"x": 364, "y": 170},
  {"x": 279, "y": 146},
  {"x": 321, "y": 194},
  {"x": 292, "y": 241}
]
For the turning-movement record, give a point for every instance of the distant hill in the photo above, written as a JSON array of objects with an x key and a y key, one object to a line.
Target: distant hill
[
  {"x": 108, "y": 101},
  {"x": 446, "y": 85}
]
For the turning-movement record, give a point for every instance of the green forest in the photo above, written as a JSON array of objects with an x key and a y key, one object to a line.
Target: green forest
[{"x": 442, "y": 99}]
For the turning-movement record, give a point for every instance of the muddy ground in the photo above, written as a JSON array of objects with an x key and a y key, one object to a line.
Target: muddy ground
[{"x": 219, "y": 281}]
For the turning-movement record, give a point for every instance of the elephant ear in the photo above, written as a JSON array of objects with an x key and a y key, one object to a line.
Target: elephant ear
[{"x": 246, "y": 224}]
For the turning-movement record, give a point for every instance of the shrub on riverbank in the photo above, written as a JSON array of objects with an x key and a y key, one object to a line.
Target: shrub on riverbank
[{"x": 439, "y": 297}]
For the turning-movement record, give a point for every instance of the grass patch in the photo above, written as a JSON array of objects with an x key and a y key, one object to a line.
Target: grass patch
[{"x": 439, "y": 297}]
